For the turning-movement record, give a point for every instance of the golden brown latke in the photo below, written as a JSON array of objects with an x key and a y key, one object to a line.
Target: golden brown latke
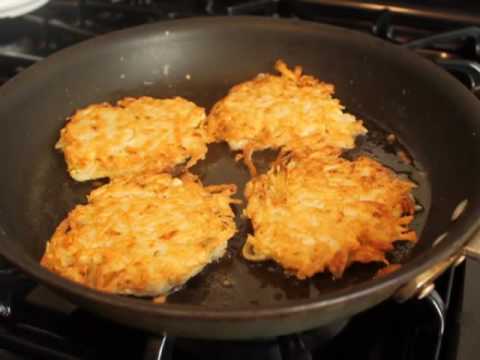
[
  {"x": 271, "y": 111},
  {"x": 143, "y": 235},
  {"x": 136, "y": 135},
  {"x": 318, "y": 212}
]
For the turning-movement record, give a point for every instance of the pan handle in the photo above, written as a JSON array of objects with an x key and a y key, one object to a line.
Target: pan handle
[
  {"x": 472, "y": 249},
  {"x": 423, "y": 284}
]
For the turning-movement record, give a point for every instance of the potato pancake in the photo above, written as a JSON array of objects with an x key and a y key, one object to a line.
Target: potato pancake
[
  {"x": 272, "y": 111},
  {"x": 319, "y": 212},
  {"x": 136, "y": 135},
  {"x": 143, "y": 235}
]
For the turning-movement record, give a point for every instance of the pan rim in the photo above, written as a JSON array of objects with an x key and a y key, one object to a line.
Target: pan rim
[
  {"x": 355, "y": 292},
  {"x": 187, "y": 311}
]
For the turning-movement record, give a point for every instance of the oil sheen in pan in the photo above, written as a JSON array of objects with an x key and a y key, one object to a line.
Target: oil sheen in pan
[{"x": 233, "y": 281}]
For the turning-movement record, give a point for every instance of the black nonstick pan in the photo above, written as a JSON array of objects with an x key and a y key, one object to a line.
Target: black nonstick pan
[{"x": 435, "y": 119}]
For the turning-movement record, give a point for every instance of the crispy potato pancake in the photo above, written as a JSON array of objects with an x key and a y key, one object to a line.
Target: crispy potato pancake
[
  {"x": 319, "y": 212},
  {"x": 137, "y": 135},
  {"x": 143, "y": 235},
  {"x": 272, "y": 111}
]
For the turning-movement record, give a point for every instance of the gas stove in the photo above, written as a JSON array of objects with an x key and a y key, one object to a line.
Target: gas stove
[{"x": 36, "y": 324}]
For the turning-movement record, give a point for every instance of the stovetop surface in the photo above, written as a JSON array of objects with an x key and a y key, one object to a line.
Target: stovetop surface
[{"x": 35, "y": 323}]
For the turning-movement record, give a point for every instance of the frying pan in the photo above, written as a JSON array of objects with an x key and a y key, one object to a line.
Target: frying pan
[{"x": 435, "y": 119}]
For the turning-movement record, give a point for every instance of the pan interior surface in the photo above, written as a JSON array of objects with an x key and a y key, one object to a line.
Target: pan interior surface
[
  {"x": 236, "y": 281},
  {"x": 232, "y": 281},
  {"x": 201, "y": 63}
]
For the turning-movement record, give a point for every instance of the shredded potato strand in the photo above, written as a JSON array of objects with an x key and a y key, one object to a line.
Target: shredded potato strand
[
  {"x": 137, "y": 135},
  {"x": 315, "y": 212},
  {"x": 143, "y": 235},
  {"x": 274, "y": 111}
]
